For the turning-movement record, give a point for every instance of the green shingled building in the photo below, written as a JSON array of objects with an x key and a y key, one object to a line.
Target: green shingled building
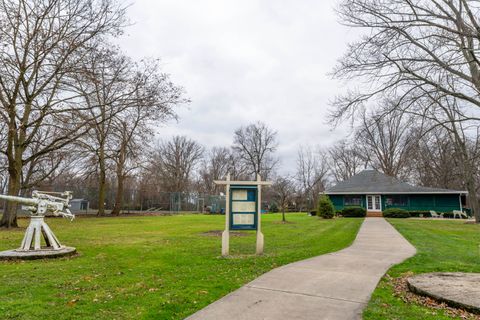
[{"x": 376, "y": 192}]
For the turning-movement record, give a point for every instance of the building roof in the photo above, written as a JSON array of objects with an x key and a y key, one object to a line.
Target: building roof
[{"x": 374, "y": 182}]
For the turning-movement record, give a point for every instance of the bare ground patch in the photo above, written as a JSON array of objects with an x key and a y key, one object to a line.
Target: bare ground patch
[{"x": 218, "y": 233}]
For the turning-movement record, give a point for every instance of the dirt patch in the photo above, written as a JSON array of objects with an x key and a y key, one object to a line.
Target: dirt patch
[
  {"x": 400, "y": 288},
  {"x": 283, "y": 222},
  {"x": 218, "y": 233}
]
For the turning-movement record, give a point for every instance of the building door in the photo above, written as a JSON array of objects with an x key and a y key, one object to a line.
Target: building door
[{"x": 374, "y": 203}]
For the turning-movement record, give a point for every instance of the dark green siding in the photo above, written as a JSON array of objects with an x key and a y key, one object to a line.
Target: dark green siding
[
  {"x": 438, "y": 202},
  {"x": 337, "y": 201},
  {"x": 415, "y": 202}
]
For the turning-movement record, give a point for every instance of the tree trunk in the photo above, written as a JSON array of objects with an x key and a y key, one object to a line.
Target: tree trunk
[
  {"x": 9, "y": 218},
  {"x": 122, "y": 157},
  {"x": 283, "y": 215},
  {"x": 102, "y": 184},
  {"x": 119, "y": 196},
  {"x": 473, "y": 199},
  {"x": 15, "y": 165}
]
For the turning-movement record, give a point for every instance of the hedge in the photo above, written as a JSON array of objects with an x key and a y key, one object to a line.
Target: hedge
[
  {"x": 354, "y": 212},
  {"x": 417, "y": 214},
  {"x": 396, "y": 213}
]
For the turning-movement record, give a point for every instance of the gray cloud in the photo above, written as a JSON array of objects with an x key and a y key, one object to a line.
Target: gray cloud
[{"x": 244, "y": 61}]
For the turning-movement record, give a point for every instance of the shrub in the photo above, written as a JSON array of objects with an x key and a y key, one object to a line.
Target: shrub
[
  {"x": 447, "y": 215},
  {"x": 396, "y": 213},
  {"x": 325, "y": 208},
  {"x": 354, "y": 212},
  {"x": 417, "y": 214},
  {"x": 313, "y": 213}
]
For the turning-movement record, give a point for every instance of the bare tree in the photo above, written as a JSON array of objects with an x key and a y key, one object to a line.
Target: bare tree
[
  {"x": 413, "y": 48},
  {"x": 41, "y": 43},
  {"x": 283, "y": 191},
  {"x": 312, "y": 171},
  {"x": 174, "y": 161},
  {"x": 388, "y": 139},
  {"x": 215, "y": 166},
  {"x": 152, "y": 101},
  {"x": 346, "y": 160},
  {"x": 124, "y": 99},
  {"x": 435, "y": 165},
  {"x": 105, "y": 87},
  {"x": 426, "y": 54},
  {"x": 255, "y": 145}
]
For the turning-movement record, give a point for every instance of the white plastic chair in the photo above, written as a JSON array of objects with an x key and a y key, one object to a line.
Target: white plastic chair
[
  {"x": 459, "y": 213},
  {"x": 435, "y": 214}
]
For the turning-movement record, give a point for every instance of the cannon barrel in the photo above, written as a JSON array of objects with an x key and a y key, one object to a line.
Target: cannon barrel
[{"x": 21, "y": 200}]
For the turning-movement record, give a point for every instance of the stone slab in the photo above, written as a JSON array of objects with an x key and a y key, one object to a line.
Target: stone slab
[
  {"x": 454, "y": 288},
  {"x": 332, "y": 286},
  {"x": 37, "y": 254}
]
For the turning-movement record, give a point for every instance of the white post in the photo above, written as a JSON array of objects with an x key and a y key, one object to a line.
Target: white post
[
  {"x": 226, "y": 232},
  {"x": 259, "y": 218}
]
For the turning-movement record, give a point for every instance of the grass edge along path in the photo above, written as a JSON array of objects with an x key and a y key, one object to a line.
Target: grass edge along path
[
  {"x": 442, "y": 246},
  {"x": 154, "y": 267}
]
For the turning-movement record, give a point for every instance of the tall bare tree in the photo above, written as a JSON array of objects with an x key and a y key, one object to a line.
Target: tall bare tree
[
  {"x": 423, "y": 52},
  {"x": 215, "y": 166},
  {"x": 256, "y": 144},
  {"x": 104, "y": 84},
  {"x": 312, "y": 171},
  {"x": 435, "y": 164},
  {"x": 346, "y": 160},
  {"x": 412, "y": 48},
  {"x": 124, "y": 99},
  {"x": 41, "y": 44},
  {"x": 388, "y": 140},
  {"x": 174, "y": 162},
  {"x": 152, "y": 102}
]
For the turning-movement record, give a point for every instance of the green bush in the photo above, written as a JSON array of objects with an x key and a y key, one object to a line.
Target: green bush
[
  {"x": 447, "y": 215},
  {"x": 396, "y": 213},
  {"x": 325, "y": 208},
  {"x": 354, "y": 212},
  {"x": 417, "y": 214}
]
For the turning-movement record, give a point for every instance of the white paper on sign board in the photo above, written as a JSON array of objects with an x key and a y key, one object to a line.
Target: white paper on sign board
[
  {"x": 244, "y": 206},
  {"x": 239, "y": 194},
  {"x": 243, "y": 219}
]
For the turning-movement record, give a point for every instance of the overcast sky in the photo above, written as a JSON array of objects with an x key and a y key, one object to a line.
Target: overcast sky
[{"x": 245, "y": 61}]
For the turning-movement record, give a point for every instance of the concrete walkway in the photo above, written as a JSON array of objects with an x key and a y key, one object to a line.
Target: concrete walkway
[{"x": 331, "y": 286}]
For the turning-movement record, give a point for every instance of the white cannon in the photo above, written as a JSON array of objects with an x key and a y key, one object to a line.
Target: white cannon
[{"x": 39, "y": 205}]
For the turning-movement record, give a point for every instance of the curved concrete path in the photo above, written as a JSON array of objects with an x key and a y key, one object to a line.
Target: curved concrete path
[{"x": 331, "y": 286}]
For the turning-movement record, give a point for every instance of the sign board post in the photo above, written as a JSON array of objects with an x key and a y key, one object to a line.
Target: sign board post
[
  {"x": 259, "y": 220},
  {"x": 243, "y": 209}
]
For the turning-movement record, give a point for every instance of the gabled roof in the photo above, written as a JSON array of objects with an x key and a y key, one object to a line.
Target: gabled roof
[{"x": 374, "y": 182}]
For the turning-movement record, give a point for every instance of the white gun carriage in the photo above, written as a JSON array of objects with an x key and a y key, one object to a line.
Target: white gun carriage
[{"x": 40, "y": 205}]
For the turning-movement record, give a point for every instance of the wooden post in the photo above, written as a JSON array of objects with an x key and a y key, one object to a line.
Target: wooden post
[
  {"x": 226, "y": 232},
  {"x": 259, "y": 218}
]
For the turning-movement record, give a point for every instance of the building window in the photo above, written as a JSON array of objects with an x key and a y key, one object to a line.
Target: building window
[
  {"x": 398, "y": 201},
  {"x": 353, "y": 200}
]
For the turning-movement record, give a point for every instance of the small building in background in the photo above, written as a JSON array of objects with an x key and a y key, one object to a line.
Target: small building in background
[
  {"x": 79, "y": 205},
  {"x": 376, "y": 192}
]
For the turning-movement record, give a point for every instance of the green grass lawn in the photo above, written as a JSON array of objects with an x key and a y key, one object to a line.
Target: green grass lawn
[
  {"x": 153, "y": 267},
  {"x": 445, "y": 246}
]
